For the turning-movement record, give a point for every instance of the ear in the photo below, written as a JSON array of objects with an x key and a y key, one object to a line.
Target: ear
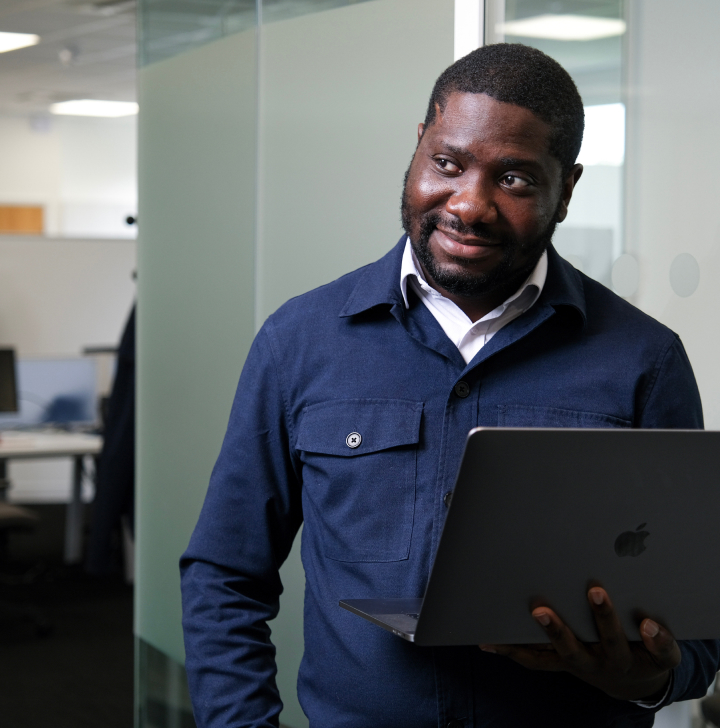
[
  {"x": 567, "y": 190},
  {"x": 421, "y": 131}
]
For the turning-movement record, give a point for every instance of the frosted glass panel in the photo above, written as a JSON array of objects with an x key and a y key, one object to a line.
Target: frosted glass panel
[
  {"x": 672, "y": 154},
  {"x": 342, "y": 95},
  {"x": 195, "y": 300}
]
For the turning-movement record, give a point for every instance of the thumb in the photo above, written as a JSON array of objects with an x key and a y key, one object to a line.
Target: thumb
[{"x": 660, "y": 644}]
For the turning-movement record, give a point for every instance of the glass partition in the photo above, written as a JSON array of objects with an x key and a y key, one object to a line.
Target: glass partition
[
  {"x": 233, "y": 118},
  {"x": 588, "y": 40},
  {"x": 643, "y": 218}
]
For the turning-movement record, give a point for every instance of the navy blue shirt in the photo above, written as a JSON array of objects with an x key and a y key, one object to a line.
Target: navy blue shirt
[{"x": 350, "y": 357}]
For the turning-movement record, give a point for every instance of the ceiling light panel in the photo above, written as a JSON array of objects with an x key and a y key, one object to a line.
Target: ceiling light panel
[
  {"x": 13, "y": 41},
  {"x": 94, "y": 107},
  {"x": 563, "y": 27}
]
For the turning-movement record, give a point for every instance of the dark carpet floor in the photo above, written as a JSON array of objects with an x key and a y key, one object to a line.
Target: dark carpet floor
[{"x": 80, "y": 675}]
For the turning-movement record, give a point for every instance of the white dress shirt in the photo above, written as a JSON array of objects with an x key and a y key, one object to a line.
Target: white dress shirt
[{"x": 469, "y": 337}]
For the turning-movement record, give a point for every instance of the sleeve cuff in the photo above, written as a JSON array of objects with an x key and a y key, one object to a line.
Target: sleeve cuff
[{"x": 658, "y": 703}]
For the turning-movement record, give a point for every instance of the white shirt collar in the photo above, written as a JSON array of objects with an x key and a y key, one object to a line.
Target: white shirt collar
[{"x": 411, "y": 267}]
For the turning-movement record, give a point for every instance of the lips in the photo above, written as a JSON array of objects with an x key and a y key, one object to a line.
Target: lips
[{"x": 459, "y": 246}]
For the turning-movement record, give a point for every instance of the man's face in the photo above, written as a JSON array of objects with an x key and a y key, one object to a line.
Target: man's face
[{"x": 482, "y": 196}]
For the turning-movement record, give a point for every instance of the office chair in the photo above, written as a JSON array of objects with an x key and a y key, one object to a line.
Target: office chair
[{"x": 15, "y": 518}]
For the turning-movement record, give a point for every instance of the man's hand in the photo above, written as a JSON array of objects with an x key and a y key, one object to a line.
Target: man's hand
[{"x": 637, "y": 671}]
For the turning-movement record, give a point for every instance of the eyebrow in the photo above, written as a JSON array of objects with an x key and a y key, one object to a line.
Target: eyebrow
[{"x": 460, "y": 151}]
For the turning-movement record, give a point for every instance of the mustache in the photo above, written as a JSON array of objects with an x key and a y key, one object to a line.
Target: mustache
[{"x": 481, "y": 231}]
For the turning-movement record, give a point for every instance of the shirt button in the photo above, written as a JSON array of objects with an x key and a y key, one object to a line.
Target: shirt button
[
  {"x": 462, "y": 389},
  {"x": 353, "y": 440},
  {"x": 447, "y": 498}
]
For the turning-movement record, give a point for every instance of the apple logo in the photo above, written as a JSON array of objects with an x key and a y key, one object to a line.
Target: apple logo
[{"x": 631, "y": 543}]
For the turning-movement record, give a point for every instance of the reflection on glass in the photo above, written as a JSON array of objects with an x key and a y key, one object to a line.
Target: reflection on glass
[
  {"x": 170, "y": 27},
  {"x": 273, "y": 10},
  {"x": 163, "y": 699},
  {"x": 587, "y": 40}
]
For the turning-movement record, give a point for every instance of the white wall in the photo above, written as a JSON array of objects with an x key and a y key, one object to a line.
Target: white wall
[
  {"x": 56, "y": 297},
  {"x": 82, "y": 170}
]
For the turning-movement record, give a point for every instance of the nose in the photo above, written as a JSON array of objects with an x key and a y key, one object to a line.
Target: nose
[{"x": 473, "y": 203}]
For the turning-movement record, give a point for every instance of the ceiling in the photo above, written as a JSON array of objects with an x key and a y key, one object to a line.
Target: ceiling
[{"x": 86, "y": 50}]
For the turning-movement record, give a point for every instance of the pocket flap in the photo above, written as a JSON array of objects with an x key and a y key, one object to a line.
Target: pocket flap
[{"x": 327, "y": 427}]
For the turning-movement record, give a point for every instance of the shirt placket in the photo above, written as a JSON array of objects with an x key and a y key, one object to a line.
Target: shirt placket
[{"x": 453, "y": 669}]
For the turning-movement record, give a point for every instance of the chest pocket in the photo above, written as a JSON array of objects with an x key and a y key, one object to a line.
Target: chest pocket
[{"x": 359, "y": 468}]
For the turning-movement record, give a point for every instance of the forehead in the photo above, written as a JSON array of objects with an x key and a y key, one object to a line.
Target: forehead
[{"x": 477, "y": 121}]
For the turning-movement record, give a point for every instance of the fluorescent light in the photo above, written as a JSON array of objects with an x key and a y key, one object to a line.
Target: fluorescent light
[
  {"x": 93, "y": 107},
  {"x": 13, "y": 41},
  {"x": 564, "y": 27},
  {"x": 604, "y": 137}
]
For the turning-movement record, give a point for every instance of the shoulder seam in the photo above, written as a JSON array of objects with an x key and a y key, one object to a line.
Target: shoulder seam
[
  {"x": 656, "y": 374},
  {"x": 274, "y": 355}
]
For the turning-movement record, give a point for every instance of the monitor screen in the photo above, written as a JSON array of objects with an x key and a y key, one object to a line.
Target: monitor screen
[{"x": 8, "y": 385}]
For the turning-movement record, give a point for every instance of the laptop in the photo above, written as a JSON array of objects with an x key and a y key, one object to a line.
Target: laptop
[{"x": 538, "y": 516}]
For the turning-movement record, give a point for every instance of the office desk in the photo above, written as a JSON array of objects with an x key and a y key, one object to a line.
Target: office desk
[{"x": 24, "y": 445}]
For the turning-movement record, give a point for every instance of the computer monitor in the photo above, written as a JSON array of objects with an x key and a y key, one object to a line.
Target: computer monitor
[{"x": 8, "y": 382}]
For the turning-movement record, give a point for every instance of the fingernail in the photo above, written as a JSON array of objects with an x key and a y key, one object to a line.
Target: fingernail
[
  {"x": 543, "y": 618},
  {"x": 650, "y": 628},
  {"x": 488, "y": 648},
  {"x": 597, "y": 596}
]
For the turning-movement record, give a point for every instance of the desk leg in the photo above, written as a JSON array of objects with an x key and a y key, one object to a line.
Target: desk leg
[
  {"x": 74, "y": 516},
  {"x": 4, "y": 482}
]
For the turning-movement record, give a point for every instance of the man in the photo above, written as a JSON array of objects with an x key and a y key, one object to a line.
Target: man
[{"x": 352, "y": 412}]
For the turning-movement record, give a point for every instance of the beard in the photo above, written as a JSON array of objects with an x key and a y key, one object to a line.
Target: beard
[{"x": 460, "y": 280}]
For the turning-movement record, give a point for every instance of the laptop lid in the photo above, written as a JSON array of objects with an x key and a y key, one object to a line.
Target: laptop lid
[{"x": 540, "y": 515}]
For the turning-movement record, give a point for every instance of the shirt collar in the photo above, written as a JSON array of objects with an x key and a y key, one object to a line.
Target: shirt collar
[
  {"x": 378, "y": 284},
  {"x": 411, "y": 267}
]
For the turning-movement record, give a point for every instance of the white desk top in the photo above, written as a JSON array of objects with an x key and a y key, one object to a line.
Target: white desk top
[{"x": 47, "y": 444}]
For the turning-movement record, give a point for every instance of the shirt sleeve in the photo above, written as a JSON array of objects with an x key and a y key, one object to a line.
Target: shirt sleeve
[
  {"x": 671, "y": 399},
  {"x": 229, "y": 573},
  {"x": 673, "y": 402}
]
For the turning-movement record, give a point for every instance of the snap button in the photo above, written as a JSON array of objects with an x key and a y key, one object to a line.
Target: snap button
[
  {"x": 353, "y": 440},
  {"x": 447, "y": 498},
  {"x": 462, "y": 389}
]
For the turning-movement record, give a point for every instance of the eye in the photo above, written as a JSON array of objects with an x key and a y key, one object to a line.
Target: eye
[
  {"x": 514, "y": 182},
  {"x": 446, "y": 165}
]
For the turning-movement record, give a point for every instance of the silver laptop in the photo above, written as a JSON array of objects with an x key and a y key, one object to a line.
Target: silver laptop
[{"x": 538, "y": 516}]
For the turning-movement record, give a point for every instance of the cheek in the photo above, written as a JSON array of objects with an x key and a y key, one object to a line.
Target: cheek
[
  {"x": 425, "y": 191},
  {"x": 529, "y": 220}
]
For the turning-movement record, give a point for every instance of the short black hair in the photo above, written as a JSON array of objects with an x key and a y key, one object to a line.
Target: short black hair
[{"x": 518, "y": 74}]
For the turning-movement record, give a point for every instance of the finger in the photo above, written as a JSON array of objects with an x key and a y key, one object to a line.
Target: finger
[
  {"x": 662, "y": 646},
  {"x": 574, "y": 653},
  {"x": 613, "y": 641},
  {"x": 533, "y": 657}
]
